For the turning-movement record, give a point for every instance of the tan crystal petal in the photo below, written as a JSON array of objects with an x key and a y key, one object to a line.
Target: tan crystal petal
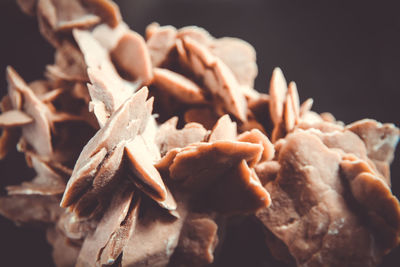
[
  {"x": 110, "y": 223},
  {"x": 257, "y": 137},
  {"x": 132, "y": 57},
  {"x": 14, "y": 118},
  {"x": 148, "y": 178},
  {"x": 179, "y": 86},
  {"x": 199, "y": 165},
  {"x": 161, "y": 43},
  {"x": 277, "y": 92},
  {"x": 224, "y": 129}
]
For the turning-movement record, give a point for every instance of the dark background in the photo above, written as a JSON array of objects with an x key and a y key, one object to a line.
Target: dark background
[{"x": 345, "y": 55}]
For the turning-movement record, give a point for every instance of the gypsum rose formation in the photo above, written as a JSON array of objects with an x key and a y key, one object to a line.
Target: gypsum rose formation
[{"x": 139, "y": 188}]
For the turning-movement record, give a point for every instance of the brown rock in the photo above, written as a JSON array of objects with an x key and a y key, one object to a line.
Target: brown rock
[
  {"x": 218, "y": 78},
  {"x": 56, "y": 17},
  {"x": 204, "y": 116},
  {"x": 64, "y": 252},
  {"x": 256, "y": 137},
  {"x": 106, "y": 9},
  {"x": 160, "y": 43},
  {"x": 241, "y": 181},
  {"x": 197, "y": 242},
  {"x": 267, "y": 171},
  {"x": 179, "y": 86},
  {"x": 155, "y": 238},
  {"x": 109, "y": 37},
  {"x": 239, "y": 56},
  {"x": 198, "y": 34},
  {"x": 310, "y": 211},
  {"x": 37, "y": 134},
  {"x": 147, "y": 176},
  {"x": 69, "y": 65},
  {"x": 168, "y": 137},
  {"x": 376, "y": 199},
  {"x": 14, "y": 118},
  {"x": 131, "y": 56},
  {"x": 126, "y": 122},
  {"x": 380, "y": 139},
  {"x": 96, "y": 247},
  {"x": 46, "y": 182},
  {"x": 223, "y": 130},
  {"x": 30, "y": 209},
  {"x": 199, "y": 165},
  {"x": 277, "y": 92},
  {"x": 75, "y": 228},
  {"x": 345, "y": 140},
  {"x": 306, "y": 106}
]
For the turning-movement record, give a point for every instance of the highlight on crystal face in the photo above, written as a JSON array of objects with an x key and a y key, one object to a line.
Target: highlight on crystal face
[{"x": 174, "y": 143}]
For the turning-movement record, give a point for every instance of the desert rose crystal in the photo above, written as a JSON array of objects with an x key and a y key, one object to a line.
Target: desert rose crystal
[{"x": 145, "y": 147}]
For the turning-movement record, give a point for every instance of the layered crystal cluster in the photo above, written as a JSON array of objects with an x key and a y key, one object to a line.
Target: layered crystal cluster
[{"x": 145, "y": 147}]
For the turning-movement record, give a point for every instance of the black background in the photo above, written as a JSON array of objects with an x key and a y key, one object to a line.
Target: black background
[{"x": 345, "y": 55}]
